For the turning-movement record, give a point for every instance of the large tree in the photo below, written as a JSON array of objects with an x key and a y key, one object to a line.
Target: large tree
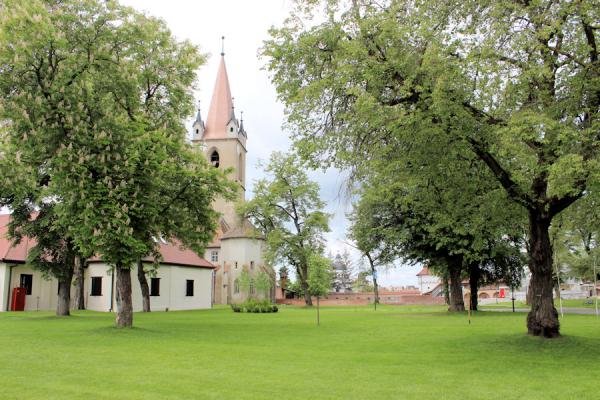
[
  {"x": 287, "y": 209},
  {"x": 518, "y": 82},
  {"x": 93, "y": 97}
]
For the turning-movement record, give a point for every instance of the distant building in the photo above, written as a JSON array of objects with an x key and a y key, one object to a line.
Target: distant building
[
  {"x": 342, "y": 280},
  {"x": 427, "y": 281}
]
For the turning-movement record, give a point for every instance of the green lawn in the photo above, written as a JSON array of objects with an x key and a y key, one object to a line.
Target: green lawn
[
  {"x": 580, "y": 303},
  {"x": 393, "y": 353}
]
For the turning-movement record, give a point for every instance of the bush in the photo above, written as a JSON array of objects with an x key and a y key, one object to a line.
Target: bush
[{"x": 255, "y": 306}]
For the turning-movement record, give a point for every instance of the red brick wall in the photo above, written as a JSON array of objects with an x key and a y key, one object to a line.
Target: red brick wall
[{"x": 347, "y": 299}]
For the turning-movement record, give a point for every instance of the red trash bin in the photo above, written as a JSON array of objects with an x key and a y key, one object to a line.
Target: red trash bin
[{"x": 18, "y": 299}]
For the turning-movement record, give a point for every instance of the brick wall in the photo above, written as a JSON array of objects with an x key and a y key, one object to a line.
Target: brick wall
[{"x": 347, "y": 299}]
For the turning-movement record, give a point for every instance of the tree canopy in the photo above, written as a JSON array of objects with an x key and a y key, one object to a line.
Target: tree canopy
[
  {"x": 286, "y": 208},
  {"x": 517, "y": 83}
]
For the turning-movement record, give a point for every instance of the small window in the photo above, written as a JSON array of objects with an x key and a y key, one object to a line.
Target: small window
[
  {"x": 251, "y": 286},
  {"x": 236, "y": 265},
  {"x": 231, "y": 129},
  {"x": 189, "y": 287},
  {"x": 214, "y": 256},
  {"x": 154, "y": 286},
  {"x": 214, "y": 159},
  {"x": 236, "y": 286},
  {"x": 96, "y": 286},
  {"x": 197, "y": 131},
  {"x": 27, "y": 282},
  {"x": 251, "y": 265}
]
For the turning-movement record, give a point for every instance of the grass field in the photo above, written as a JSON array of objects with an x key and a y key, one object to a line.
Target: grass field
[
  {"x": 356, "y": 353},
  {"x": 579, "y": 303}
]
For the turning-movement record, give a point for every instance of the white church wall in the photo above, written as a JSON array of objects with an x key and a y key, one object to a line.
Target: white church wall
[
  {"x": 43, "y": 291},
  {"x": 4, "y": 287}
]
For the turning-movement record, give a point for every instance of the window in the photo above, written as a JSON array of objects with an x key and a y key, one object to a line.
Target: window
[
  {"x": 189, "y": 287},
  {"x": 214, "y": 256},
  {"x": 197, "y": 131},
  {"x": 236, "y": 265},
  {"x": 154, "y": 286},
  {"x": 251, "y": 265},
  {"x": 236, "y": 286},
  {"x": 231, "y": 129},
  {"x": 214, "y": 159},
  {"x": 251, "y": 286},
  {"x": 96, "y": 286},
  {"x": 27, "y": 282}
]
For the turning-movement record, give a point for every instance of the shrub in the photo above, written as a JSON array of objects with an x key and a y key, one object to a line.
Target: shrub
[{"x": 255, "y": 306}]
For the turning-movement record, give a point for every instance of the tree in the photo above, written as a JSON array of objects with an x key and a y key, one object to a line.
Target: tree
[
  {"x": 319, "y": 278},
  {"x": 264, "y": 283},
  {"x": 94, "y": 95},
  {"x": 287, "y": 210},
  {"x": 245, "y": 281},
  {"x": 362, "y": 284},
  {"x": 518, "y": 83}
]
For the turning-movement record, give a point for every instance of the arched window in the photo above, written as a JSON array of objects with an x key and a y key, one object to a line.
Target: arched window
[
  {"x": 251, "y": 286},
  {"x": 214, "y": 159},
  {"x": 236, "y": 286}
]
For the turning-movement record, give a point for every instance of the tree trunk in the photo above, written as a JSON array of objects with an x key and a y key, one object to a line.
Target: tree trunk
[
  {"x": 303, "y": 275},
  {"x": 79, "y": 289},
  {"x": 318, "y": 315},
  {"x": 456, "y": 298},
  {"x": 64, "y": 294},
  {"x": 474, "y": 276},
  {"x": 144, "y": 286},
  {"x": 375, "y": 285},
  {"x": 307, "y": 298},
  {"x": 542, "y": 320},
  {"x": 446, "y": 289},
  {"x": 124, "y": 301}
]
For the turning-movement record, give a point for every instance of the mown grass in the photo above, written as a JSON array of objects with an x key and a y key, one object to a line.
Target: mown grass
[
  {"x": 571, "y": 303},
  {"x": 356, "y": 353}
]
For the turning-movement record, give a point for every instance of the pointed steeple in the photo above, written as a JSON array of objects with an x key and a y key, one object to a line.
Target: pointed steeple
[
  {"x": 242, "y": 131},
  {"x": 220, "y": 112},
  {"x": 198, "y": 126}
]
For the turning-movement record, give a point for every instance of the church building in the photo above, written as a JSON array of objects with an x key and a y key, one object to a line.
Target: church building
[{"x": 237, "y": 246}]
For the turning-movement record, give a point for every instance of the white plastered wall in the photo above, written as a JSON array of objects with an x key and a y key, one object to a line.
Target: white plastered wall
[
  {"x": 172, "y": 292},
  {"x": 243, "y": 251}
]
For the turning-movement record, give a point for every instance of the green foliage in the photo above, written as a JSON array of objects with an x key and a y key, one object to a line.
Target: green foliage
[
  {"x": 287, "y": 210},
  {"x": 94, "y": 96},
  {"x": 263, "y": 282},
  {"x": 361, "y": 284},
  {"x": 319, "y": 275},
  {"x": 245, "y": 281},
  {"x": 255, "y": 306}
]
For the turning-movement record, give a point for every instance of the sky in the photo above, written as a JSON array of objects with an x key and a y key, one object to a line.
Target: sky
[{"x": 245, "y": 25}]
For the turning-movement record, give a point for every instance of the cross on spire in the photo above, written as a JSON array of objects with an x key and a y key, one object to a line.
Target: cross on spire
[{"x": 222, "y": 45}]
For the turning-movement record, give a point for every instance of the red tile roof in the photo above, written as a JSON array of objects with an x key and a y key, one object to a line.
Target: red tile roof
[
  {"x": 172, "y": 253},
  {"x": 424, "y": 272},
  {"x": 8, "y": 251}
]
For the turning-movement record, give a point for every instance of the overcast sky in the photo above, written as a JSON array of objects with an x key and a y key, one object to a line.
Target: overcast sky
[{"x": 245, "y": 26}]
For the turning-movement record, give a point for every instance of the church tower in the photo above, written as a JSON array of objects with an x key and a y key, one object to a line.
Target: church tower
[
  {"x": 237, "y": 246},
  {"x": 223, "y": 140}
]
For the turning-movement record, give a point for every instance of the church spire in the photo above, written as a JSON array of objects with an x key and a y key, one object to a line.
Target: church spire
[{"x": 220, "y": 112}]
